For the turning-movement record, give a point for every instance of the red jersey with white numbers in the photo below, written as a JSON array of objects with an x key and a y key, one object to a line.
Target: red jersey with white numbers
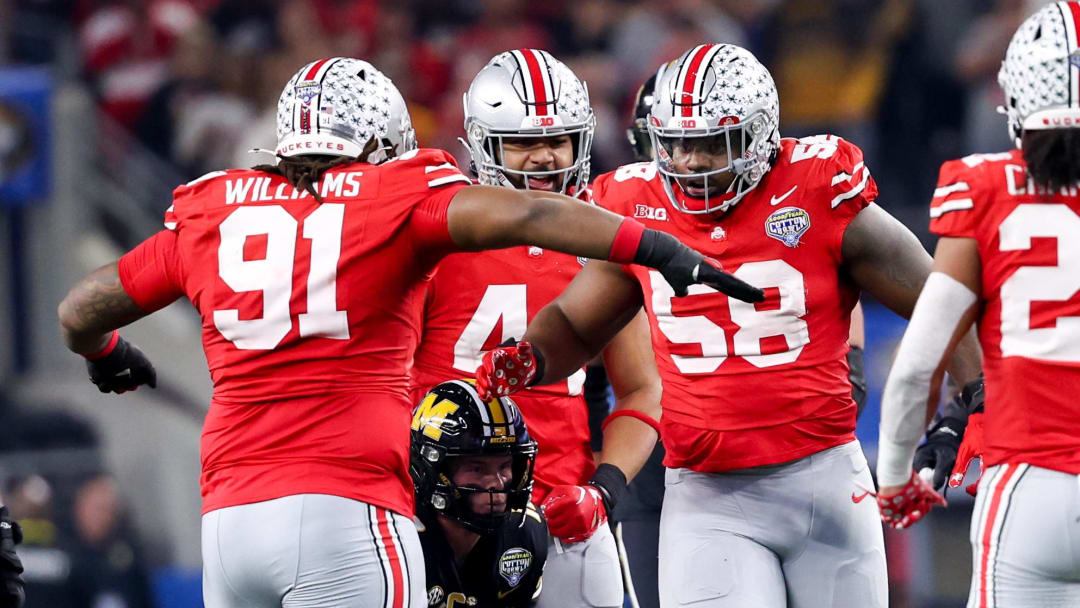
[
  {"x": 311, "y": 313},
  {"x": 1029, "y": 324},
  {"x": 755, "y": 384},
  {"x": 475, "y": 302}
]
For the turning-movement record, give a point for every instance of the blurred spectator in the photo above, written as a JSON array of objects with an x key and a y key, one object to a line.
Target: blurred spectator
[
  {"x": 109, "y": 569},
  {"x": 126, "y": 45},
  {"x": 981, "y": 51},
  {"x": 47, "y": 562},
  {"x": 830, "y": 60},
  {"x": 196, "y": 117}
]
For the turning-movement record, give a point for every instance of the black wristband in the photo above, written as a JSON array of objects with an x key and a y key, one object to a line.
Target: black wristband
[
  {"x": 857, "y": 376},
  {"x": 657, "y": 249},
  {"x": 611, "y": 482}
]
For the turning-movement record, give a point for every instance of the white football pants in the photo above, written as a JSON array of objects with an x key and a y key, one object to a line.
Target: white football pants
[
  {"x": 801, "y": 534},
  {"x": 1025, "y": 539},
  {"x": 583, "y": 575},
  {"x": 311, "y": 551}
]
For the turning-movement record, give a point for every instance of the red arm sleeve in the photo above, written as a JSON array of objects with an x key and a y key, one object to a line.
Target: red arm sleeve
[
  {"x": 151, "y": 272},
  {"x": 429, "y": 219}
]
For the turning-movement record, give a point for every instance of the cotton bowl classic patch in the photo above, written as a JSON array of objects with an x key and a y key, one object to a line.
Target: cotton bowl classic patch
[
  {"x": 513, "y": 565},
  {"x": 787, "y": 225}
]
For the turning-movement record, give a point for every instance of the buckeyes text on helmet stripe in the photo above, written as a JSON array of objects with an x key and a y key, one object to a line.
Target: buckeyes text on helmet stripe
[
  {"x": 693, "y": 69},
  {"x": 1070, "y": 15}
]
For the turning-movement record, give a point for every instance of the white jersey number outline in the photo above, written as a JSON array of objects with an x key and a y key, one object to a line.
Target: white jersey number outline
[
  {"x": 509, "y": 303},
  {"x": 753, "y": 324},
  {"x": 1040, "y": 283},
  {"x": 273, "y": 275}
]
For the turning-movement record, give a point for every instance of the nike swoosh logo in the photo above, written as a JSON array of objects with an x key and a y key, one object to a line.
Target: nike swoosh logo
[
  {"x": 857, "y": 498},
  {"x": 494, "y": 104},
  {"x": 502, "y": 594},
  {"x": 777, "y": 199}
]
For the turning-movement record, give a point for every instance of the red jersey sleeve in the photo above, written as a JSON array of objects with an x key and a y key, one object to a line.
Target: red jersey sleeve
[
  {"x": 953, "y": 209},
  {"x": 434, "y": 177},
  {"x": 849, "y": 185},
  {"x": 151, "y": 274}
]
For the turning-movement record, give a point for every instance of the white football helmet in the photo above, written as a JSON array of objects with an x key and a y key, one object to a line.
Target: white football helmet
[
  {"x": 722, "y": 92},
  {"x": 334, "y": 107},
  {"x": 1041, "y": 72},
  {"x": 527, "y": 93}
]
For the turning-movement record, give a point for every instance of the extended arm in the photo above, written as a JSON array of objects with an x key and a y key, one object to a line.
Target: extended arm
[
  {"x": 488, "y": 217},
  {"x": 573, "y": 328},
  {"x": 885, "y": 259},
  {"x": 945, "y": 312}
]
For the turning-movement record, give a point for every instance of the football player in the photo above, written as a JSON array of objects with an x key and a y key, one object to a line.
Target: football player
[
  {"x": 12, "y": 587},
  {"x": 639, "y": 511},
  {"x": 308, "y": 276},
  {"x": 1009, "y": 224},
  {"x": 765, "y": 491},
  {"x": 529, "y": 126},
  {"x": 472, "y": 462}
]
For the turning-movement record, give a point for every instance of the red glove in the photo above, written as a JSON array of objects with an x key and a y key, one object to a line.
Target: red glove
[
  {"x": 970, "y": 449},
  {"x": 507, "y": 369},
  {"x": 908, "y": 506},
  {"x": 574, "y": 512}
]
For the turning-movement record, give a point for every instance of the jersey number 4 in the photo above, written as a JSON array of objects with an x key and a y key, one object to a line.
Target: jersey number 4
[
  {"x": 508, "y": 303},
  {"x": 273, "y": 275},
  {"x": 754, "y": 324}
]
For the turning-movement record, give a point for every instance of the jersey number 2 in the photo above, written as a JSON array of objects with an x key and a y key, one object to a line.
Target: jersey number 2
[
  {"x": 273, "y": 275},
  {"x": 1040, "y": 283}
]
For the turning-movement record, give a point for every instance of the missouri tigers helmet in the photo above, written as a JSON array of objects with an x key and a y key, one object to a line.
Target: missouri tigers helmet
[
  {"x": 1040, "y": 75},
  {"x": 453, "y": 421},
  {"x": 527, "y": 93},
  {"x": 720, "y": 92},
  {"x": 336, "y": 106},
  {"x": 638, "y": 131}
]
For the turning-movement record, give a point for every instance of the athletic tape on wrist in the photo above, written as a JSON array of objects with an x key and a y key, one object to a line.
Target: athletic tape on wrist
[{"x": 114, "y": 339}]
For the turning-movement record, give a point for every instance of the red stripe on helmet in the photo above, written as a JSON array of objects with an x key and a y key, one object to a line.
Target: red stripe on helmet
[
  {"x": 1074, "y": 10},
  {"x": 315, "y": 69},
  {"x": 690, "y": 80},
  {"x": 539, "y": 90}
]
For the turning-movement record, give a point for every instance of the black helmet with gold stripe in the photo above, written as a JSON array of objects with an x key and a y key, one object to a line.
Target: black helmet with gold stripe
[{"x": 471, "y": 460}]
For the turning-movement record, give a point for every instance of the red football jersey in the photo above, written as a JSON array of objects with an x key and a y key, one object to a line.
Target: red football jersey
[
  {"x": 311, "y": 313},
  {"x": 755, "y": 384},
  {"x": 1029, "y": 324},
  {"x": 475, "y": 302}
]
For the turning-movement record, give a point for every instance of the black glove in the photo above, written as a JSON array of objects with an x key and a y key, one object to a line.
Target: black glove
[
  {"x": 12, "y": 593},
  {"x": 124, "y": 369},
  {"x": 943, "y": 439},
  {"x": 683, "y": 267}
]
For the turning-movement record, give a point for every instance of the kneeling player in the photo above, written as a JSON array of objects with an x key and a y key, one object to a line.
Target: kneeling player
[{"x": 472, "y": 462}]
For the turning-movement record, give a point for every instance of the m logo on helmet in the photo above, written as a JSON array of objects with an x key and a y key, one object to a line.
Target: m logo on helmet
[{"x": 431, "y": 414}]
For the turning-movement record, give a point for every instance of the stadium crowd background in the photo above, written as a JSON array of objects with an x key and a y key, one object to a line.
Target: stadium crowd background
[{"x": 139, "y": 96}]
